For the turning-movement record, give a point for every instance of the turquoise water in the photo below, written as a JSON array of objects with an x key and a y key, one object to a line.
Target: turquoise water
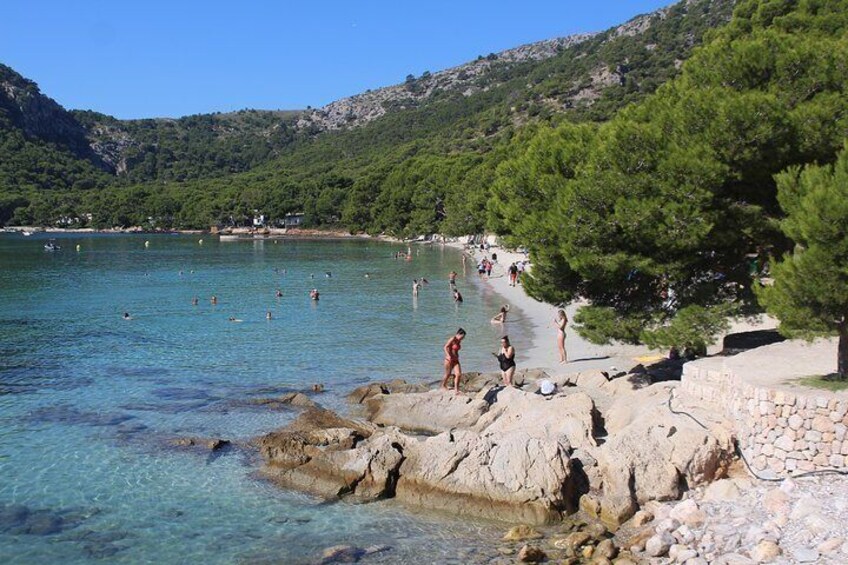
[{"x": 89, "y": 401}]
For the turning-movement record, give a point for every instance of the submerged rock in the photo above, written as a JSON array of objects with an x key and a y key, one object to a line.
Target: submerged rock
[
  {"x": 212, "y": 444},
  {"x": 297, "y": 399}
]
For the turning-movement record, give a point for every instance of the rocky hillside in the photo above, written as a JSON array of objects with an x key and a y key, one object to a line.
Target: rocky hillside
[{"x": 478, "y": 76}]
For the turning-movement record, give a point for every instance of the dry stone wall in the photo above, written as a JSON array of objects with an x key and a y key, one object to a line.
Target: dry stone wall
[{"x": 779, "y": 431}]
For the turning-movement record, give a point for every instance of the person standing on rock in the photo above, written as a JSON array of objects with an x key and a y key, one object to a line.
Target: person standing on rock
[
  {"x": 452, "y": 366},
  {"x": 561, "y": 321},
  {"x": 506, "y": 358}
]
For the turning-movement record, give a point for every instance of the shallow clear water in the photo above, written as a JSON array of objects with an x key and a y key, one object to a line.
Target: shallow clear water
[{"x": 88, "y": 401}]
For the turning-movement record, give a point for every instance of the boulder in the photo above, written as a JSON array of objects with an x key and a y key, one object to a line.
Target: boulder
[
  {"x": 504, "y": 476},
  {"x": 316, "y": 418},
  {"x": 342, "y": 554},
  {"x": 431, "y": 412},
  {"x": 364, "y": 473},
  {"x": 521, "y": 533},
  {"x": 360, "y": 394},
  {"x": 566, "y": 417},
  {"x": 531, "y": 554},
  {"x": 765, "y": 552},
  {"x": 658, "y": 454},
  {"x": 721, "y": 491}
]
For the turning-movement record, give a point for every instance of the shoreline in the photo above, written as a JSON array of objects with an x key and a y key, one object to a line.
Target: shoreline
[{"x": 538, "y": 316}]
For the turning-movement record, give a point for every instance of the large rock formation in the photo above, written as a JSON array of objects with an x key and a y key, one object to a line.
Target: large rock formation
[{"x": 503, "y": 453}]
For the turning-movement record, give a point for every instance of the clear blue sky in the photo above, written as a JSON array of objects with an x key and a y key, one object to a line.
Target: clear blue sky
[{"x": 148, "y": 58}]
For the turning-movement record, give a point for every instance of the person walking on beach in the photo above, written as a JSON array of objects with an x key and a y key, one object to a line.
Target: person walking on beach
[
  {"x": 513, "y": 274},
  {"x": 452, "y": 366},
  {"x": 500, "y": 317},
  {"x": 561, "y": 321},
  {"x": 506, "y": 358}
]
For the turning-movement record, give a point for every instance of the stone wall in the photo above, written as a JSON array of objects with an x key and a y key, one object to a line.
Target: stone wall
[{"x": 780, "y": 431}]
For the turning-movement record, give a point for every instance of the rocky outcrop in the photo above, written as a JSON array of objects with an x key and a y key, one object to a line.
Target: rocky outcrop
[
  {"x": 360, "y": 394},
  {"x": 504, "y": 453},
  {"x": 431, "y": 412},
  {"x": 507, "y": 476},
  {"x": 295, "y": 399}
]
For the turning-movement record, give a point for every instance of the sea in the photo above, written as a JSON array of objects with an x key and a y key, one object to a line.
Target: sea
[{"x": 90, "y": 402}]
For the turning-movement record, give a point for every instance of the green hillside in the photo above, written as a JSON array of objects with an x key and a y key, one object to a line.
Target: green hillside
[{"x": 416, "y": 170}]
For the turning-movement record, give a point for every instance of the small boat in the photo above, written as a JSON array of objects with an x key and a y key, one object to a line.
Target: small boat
[
  {"x": 52, "y": 246},
  {"x": 26, "y": 233},
  {"x": 228, "y": 237}
]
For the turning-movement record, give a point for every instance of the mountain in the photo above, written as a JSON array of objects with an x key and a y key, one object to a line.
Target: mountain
[{"x": 218, "y": 165}]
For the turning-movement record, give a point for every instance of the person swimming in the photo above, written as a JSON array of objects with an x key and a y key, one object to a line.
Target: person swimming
[
  {"x": 279, "y": 293},
  {"x": 127, "y": 316},
  {"x": 328, "y": 274},
  {"x": 194, "y": 301},
  {"x": 314, "y": 294},
  {"x": 268, "y": 315},
  {"x": 214, "y": 299}
]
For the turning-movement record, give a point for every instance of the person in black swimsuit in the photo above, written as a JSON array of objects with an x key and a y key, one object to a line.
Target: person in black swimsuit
[{"x": 506, "y": 358}]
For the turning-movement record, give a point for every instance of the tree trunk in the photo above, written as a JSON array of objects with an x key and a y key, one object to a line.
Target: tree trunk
[{"x": 842, "y": 353}]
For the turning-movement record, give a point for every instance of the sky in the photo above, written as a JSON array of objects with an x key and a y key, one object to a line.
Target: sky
[{"x": 151, "y": 58}]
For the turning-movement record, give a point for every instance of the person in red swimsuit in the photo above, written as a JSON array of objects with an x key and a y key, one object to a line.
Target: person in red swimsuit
[{"x": 452, "y": 348}]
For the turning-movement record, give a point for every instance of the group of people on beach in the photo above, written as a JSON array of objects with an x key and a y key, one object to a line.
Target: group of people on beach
[{"x": 505, "y": 357}]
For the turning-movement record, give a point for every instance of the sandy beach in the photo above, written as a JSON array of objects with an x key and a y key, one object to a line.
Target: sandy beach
[{"x": 538, "y": 317}]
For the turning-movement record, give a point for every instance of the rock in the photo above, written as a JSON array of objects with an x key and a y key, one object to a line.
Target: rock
[
  {"x": 685, "y": 555},
  {"x": 733, "y": 559},
  {"x": 616, "y": 509},
  {"x": 297, "y": 399},
  {"x": 652, "y": 456},
  {"x": 688, "y": 512},
  {"x": 696, "y": 561},
  {"x": 641, "y": 518},
  {"x": 829, "y": 546},
  {"x": 316, "y": 418},
  {"x": 505, "y": 476},
  {"x": 606, "y": 549},
  {"x": 521, "y": 533},
  {"x": 721, "y": 491},
  {"x": 375, "y": 549},
  {"x": 570, "y": 417},
  {"x": 342, "y": 554},
  {"x": 658, "y": 545},
  {"x": 361, "y": 474},
  {"x": 364, "y": 392},
  {"x": 666, "y": 525},
  {"x": 597, "y": 531},
  {"x": 590, "y": 505},
  {"x": 776, "y": 501},
  {"x": 531, "y": 554},
  {"x": 765, "y": 552},
  {"x": 684, "y": 535},
  {"x": 432, "y": 412},
  {"x": 212, "y": 444},
  {"x": 574, "y": 541},
  {"x": 805, "y": 555},
  {"x": 506, "y": 550},
  {"x": 637, "y": 541}
]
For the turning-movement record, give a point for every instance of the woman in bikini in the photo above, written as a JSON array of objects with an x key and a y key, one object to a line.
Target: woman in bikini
[
  {"x": 451, "y": 349},
  {"x": 506, "y": 358},
  {"x": 561, "y": 321},
  {"x": 500, "y": 317}
]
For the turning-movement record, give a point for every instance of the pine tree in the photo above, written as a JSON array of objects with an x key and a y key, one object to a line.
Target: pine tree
[{"x": 810, "y": 291}]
